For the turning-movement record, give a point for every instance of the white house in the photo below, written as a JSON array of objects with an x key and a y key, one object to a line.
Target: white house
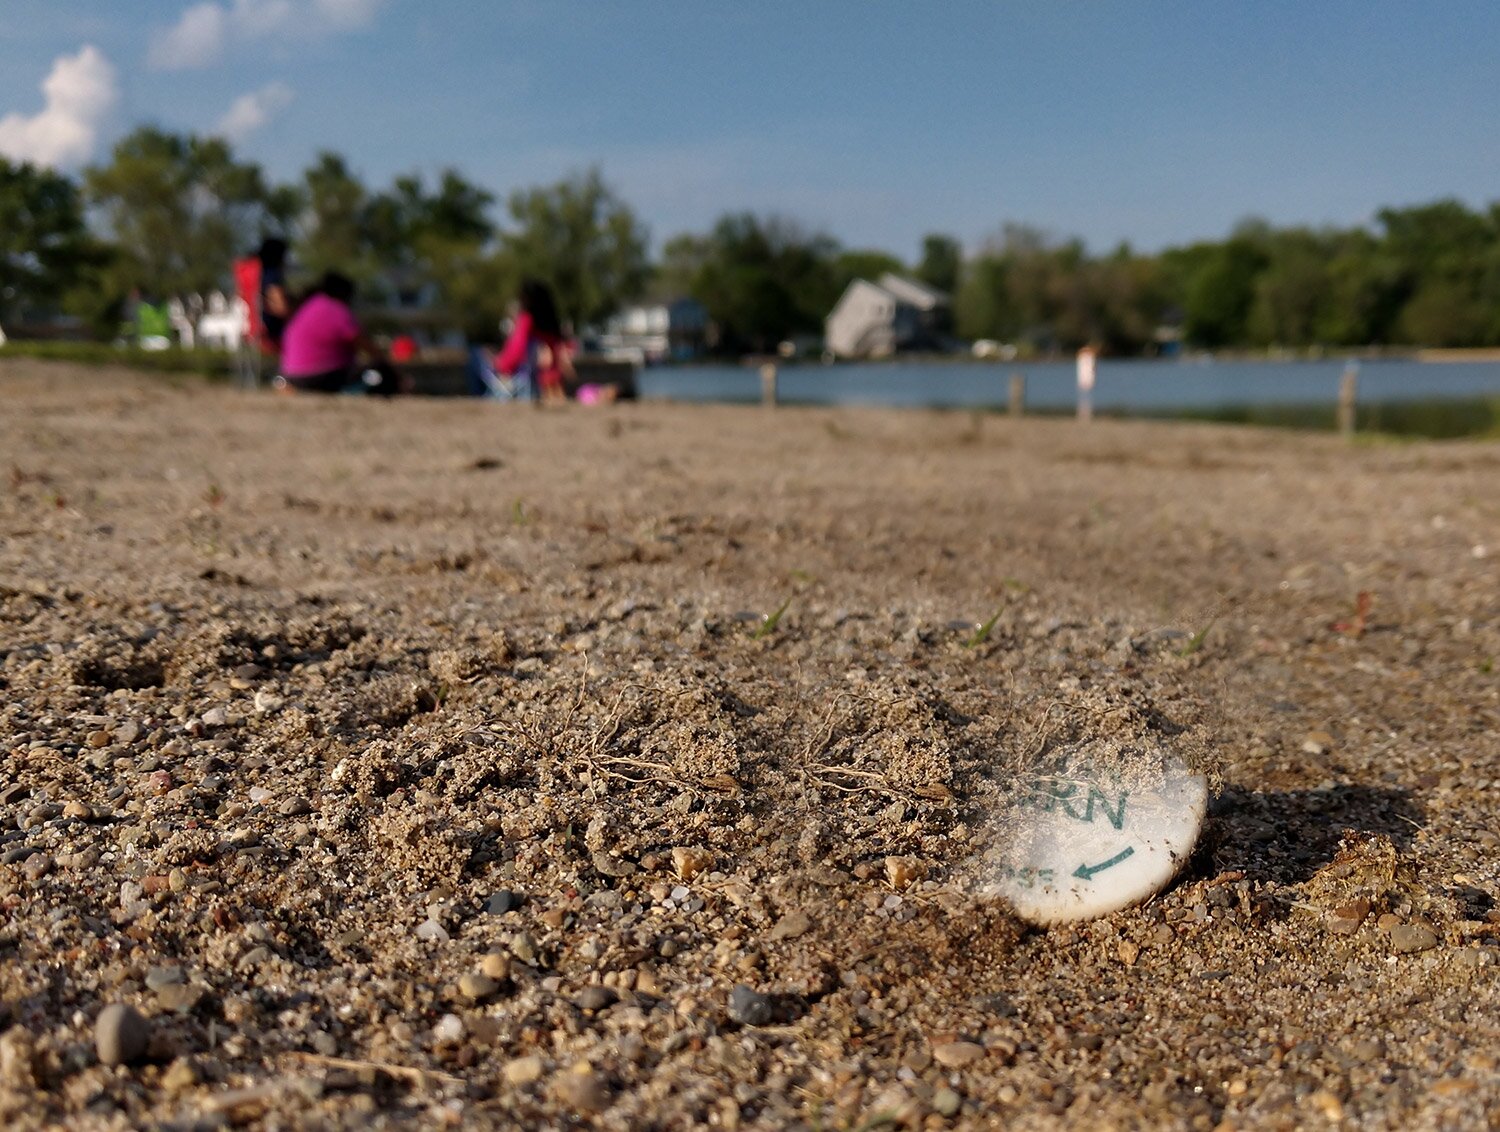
[
  {"x": 653, "y": 332},
  {"x": 874, "y": 320}
]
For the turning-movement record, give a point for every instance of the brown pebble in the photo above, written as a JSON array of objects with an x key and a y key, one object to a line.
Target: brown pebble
[
  {"x": 1346, "y": 919},
  {"x": 476, "y": 985},
  {"x": 496, "y": 966},
  {"x": 689, "y": 862},
  {"x": 900, "y": 872},
  {"x": 99, "y": 738}
]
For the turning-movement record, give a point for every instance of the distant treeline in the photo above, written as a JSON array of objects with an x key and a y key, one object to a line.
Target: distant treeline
[{"x": 168, "y": 214}]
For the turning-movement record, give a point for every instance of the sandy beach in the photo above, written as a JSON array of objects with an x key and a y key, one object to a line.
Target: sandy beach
[{"x": 439, "y": 763}]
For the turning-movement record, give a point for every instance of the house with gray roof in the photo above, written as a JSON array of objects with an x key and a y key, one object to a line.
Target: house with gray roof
[{"x": 875, "y": 320}]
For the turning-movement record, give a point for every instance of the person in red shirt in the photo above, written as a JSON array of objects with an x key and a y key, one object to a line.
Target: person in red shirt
[
  {"x": 536, "y": 347},
  {"x": 323, "y": 342}
]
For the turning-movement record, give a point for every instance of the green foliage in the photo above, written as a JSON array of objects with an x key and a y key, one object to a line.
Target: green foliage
[
  {"x": 45, "y": 247},
  {"x": 179, "y": 210},
  {"x": 174, "y": 211},
  {"x": 848, "y": 266},
  {"x": 942, "y": 263},
  {"x": 762, "y": 280},
  {"x": 582, "y": 239}
]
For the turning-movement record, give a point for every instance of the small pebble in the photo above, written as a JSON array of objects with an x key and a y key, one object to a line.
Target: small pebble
[
  {"x": 1346, "y": 919},
  {"x": 120, "y": 1035},
  {"x": 945, "y": 1102},
  {"x": 792, "y": 925},
  {"x": 476, "y": 985},
  {"x": 180, "y": 1075},
  {"x": 523, "y": 1070},
  {"x": 495, "y": 965},
  {"x": 179, "y": 998},
  {"x": 583, "y": 1091},
  {"x": 596, "y": 998},
  {"x": 955, "y": 1055},
  {"x": 502, "y": 902},
  {"x": 1407, "y": 938},
  {"x": 749, "y": 1008}
]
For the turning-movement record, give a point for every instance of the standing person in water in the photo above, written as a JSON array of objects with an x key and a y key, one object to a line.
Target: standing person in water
[
  {"x": 536, "y": 346},
  {"x": 323, "y": 343}
]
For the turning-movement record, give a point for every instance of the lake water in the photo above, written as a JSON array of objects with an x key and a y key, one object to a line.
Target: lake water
[{"x": 1123, "y": 386}]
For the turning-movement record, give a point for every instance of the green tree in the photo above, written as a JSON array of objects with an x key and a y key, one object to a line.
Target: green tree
[
  {"x": 942, "y": 263},
  {"x": 579, "y": 236},
  {"x": 1219, "y": 296},
  {"x": 762, "y": 280},
  {"x": 332, "y": 235},
  {"x": 179, "y": 210},
  {"x": 45, "y": 247},
  {"x": 1292, "y": 290},
  {"x": 869, "y": 263}
]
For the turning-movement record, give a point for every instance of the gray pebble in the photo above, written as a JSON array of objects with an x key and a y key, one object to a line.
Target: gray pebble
[
  {"x": 502, "y": 902},
  {"x": 749, "y": 1008},
  {"x": 120, "y": 1035},
  {"x": 1412, "y": 937},
  {"x": 596, "y": 998},
  {"x": 159, "y": 977}
]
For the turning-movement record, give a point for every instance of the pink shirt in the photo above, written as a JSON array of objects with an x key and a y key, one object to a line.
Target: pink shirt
[
  {"x": 319, "y": 338},
  {"x": 517, "y": 351}
]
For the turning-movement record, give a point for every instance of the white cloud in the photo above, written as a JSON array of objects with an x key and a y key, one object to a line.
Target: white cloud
[
  {"x": 80, "y": 91},
  {"x": 251, "y": 112},
  {"x": 206, "y": 30}
]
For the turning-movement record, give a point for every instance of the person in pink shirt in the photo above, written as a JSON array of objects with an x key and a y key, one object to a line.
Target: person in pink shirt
[
  {"x": 536, "y": 348},
  {"x": 322, "y": 344}
]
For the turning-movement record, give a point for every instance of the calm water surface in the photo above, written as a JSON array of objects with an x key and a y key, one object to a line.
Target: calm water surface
[{"x": 1123, "y": 386}]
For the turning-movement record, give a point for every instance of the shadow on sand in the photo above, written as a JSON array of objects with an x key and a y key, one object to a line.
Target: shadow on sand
[{"x": 1286, "y": 836}]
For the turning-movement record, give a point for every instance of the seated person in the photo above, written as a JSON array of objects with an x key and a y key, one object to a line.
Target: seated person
[{"x": 323, "y": 342}]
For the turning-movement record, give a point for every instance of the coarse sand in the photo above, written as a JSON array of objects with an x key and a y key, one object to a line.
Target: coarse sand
[{"x": 455, "y": 764}]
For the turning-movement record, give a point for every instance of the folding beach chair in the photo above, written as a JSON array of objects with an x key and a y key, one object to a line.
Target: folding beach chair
[{"x": 486, "y": 381}]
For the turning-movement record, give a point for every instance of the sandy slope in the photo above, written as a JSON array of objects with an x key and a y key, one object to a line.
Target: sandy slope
[{"x": 293, "y": 687}]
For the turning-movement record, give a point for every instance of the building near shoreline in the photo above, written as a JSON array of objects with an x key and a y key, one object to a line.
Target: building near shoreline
[
  {"x": 875, "y": 320},
  {"x": 675, "y": 330}
]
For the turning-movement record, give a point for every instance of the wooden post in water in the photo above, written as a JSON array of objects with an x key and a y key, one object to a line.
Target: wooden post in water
[
  {"x": 1017, "y": 394},
  {"x": 1348, "y": 398},
  {"x": 768, "y": 385}
]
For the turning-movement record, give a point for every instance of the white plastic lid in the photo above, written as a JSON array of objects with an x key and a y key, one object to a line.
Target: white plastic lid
[{"x": 1082, "y": 843}]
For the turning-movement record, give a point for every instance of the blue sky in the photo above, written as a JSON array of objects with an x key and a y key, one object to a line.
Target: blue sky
[{"x": 1151, "y": 122}]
